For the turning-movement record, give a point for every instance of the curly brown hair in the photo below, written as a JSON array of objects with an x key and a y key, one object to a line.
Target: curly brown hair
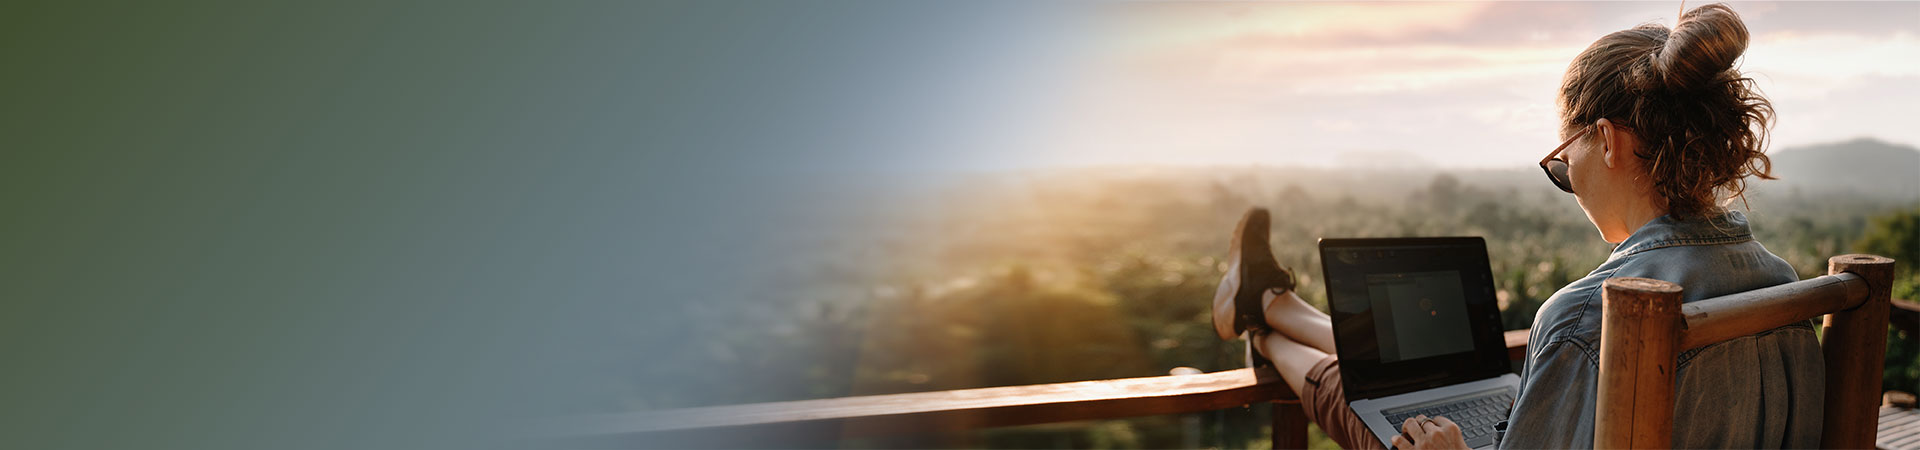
[{"x": 1701, "y": 124}]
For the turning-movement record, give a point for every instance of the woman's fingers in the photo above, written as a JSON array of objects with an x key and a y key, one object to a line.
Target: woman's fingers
[
  {"x": 1413, "y": 428},
  {"x": 1443, "y": 433},
  {"x": 1447, "y": 426},
  {"x": 1429, "y": 432}
]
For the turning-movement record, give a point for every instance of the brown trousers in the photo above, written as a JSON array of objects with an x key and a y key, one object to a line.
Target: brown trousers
[{"x": 1325, "y": 402}]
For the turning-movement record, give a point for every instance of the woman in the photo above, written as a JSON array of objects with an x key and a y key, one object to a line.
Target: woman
[{"x": 1660, "y": 131}]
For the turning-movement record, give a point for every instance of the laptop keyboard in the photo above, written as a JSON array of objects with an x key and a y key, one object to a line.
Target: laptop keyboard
[{"x": 1475, "y": 413}]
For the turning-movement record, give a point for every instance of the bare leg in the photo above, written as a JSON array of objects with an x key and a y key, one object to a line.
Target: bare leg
[
  {"x": 1294, "y": 360},
  {"x": 1291, "y": 359},
  {"x": 1292, "y": 316}
]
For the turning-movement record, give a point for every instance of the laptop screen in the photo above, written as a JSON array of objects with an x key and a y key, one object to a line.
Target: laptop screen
[
  {"x": 1412, "y": 313},
  {"x": 1418, "y": 314}
]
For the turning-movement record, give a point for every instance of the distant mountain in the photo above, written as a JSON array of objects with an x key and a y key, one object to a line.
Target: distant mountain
[{"x": 1865, "y": 167}]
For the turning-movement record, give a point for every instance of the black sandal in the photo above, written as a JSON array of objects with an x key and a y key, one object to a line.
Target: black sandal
[{"x": 1259, "y": 272}]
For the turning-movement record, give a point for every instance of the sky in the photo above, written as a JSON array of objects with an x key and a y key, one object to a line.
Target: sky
[{"x": 1460, "y": 85}]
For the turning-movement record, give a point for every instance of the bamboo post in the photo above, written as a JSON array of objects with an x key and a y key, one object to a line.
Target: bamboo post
[
  {"x": 1639, "y": 335},
  {"x": 1855, "y": 346},
  {"x": 1715, "y": 320}
]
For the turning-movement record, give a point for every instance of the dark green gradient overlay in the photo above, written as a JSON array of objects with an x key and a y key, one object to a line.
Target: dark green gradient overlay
[{"x": 404, "y": 225}]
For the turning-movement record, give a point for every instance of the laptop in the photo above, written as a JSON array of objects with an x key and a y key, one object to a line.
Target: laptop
[{"x": 1417, "y": 327}]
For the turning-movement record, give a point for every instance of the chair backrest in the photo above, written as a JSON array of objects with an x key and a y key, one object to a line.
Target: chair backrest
[{"x": 1645, "y": 326}]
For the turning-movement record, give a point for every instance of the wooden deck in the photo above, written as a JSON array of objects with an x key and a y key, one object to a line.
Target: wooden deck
[{"x": 1899, "y": 428}]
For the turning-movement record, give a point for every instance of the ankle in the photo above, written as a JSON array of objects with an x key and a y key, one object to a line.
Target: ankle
[
  {"x": 1278, "y": 306},
  {"x": 1258, "y": 340}
]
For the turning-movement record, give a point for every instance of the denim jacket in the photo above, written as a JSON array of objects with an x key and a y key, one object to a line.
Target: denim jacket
[{"x": 1758, "y": 391}]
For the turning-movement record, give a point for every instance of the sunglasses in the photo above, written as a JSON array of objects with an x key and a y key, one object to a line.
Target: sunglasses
[{"x": 1556, "y": 168}]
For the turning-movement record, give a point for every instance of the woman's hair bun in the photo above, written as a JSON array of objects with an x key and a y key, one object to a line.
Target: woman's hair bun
[
  {"x": 1701, "y": 48},
  {"x": 1702, "y": 127}
]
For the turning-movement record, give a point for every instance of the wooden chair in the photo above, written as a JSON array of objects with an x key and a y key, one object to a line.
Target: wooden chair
[{"x": 1645, "y": 326}]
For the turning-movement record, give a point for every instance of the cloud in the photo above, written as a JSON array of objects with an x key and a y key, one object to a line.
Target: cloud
[{"x": 1464, "y": 84}]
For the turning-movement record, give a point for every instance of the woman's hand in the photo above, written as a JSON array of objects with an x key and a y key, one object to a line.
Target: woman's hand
[{"x": 1435, "y": 433}]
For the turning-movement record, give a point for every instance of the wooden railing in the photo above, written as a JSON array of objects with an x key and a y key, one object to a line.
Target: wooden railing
[
  {"x": 1693, "y": 324},
  {"x": 944, "y": 411}
]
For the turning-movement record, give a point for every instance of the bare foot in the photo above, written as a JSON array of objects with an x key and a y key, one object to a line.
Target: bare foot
[
  {"x": 1292, "y": 316},
  {"x": 1223, "y": 304}
]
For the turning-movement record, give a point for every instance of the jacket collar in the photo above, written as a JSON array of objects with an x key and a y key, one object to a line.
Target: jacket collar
[{"x": 1667, "y": 231}]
